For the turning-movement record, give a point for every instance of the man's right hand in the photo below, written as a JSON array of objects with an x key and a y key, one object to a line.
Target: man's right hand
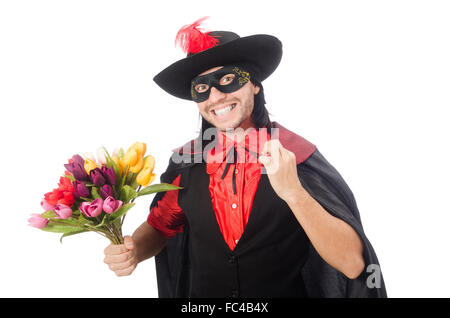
[{"x": 122, "y": 259}]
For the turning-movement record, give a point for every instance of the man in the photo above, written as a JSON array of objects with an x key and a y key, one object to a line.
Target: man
[{"x": 261, "y": 213}]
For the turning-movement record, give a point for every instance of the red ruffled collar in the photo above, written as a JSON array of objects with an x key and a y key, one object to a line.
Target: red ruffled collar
[
  {"x": 248, "y": 149},
  {"x": 301, "y": 147}
]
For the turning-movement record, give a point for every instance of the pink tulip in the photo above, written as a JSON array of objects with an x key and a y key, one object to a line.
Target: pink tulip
[
  {"x": 62, "y": 211},
  {"x": 92, "y": 209},
  {"x": 46, "y": 206},
  {"x": 36, "y": 220},
  {"x": 110, "y": 205}
]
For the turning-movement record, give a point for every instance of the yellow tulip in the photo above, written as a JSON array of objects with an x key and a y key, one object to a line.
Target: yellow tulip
[
  {"x": 118, "y": 162},
  {"x": 145, "y": 177},
  {"x": 131, "y": 157},
  {"x": 138, "y": 166},
  {"x": 152, "y": 178},
  {"x": 140, "y": 148},
  {"x": 150, "y": 162},
  {"x": 89, "y": 165}
]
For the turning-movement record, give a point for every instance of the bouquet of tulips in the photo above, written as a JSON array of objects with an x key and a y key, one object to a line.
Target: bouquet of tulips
[{"x": 95, "y": 195}]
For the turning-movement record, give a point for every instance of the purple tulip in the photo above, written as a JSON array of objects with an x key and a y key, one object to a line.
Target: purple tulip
[
  {"x": 106, "y": 191},
  {"x": 97, "y": 177},
  {"x": 76, "y": 167},
  {"x": 81, "y": 190},
  {"x": 62, "y": 211},
  {"x": 36, "y": 220},
  {"x": 46, "y": 206},
  {"x": 109, "y": 174},
  {"x": 92, "y": 209},
  {"x": 110, "y": 205}
]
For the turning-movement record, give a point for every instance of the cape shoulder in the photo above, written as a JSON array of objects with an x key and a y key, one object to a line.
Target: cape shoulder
[{"x": 301, "y": 147}]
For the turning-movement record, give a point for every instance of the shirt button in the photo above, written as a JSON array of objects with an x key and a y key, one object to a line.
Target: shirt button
[
  {"x": 236, "y": 241},
  {"x": 234, "y": 205},
  {"x": 237, "y": 171}
]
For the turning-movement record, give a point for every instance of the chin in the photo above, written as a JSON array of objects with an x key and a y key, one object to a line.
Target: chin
[{"x": 227, "y": 126}]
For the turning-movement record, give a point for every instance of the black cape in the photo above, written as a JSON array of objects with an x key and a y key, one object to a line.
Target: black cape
[{"x": 327, "y": 187}]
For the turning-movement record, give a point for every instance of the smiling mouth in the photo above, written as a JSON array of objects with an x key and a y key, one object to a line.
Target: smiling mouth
[{"x": 224, "y": 110}]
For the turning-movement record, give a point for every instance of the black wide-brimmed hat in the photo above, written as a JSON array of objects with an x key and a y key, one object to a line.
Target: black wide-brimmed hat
[{"x": 261, "y": 53}]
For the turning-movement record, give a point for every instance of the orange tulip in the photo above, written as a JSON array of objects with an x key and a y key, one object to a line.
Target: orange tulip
[
  {"x": 140, "y": 148},
  {"x": 138, "y": 166},
  {"x": 131, "y": 157},
  {"x": 145, "y": 177},
  {"x": 149, "y": 162},
  {"x": 119, "y": 163}
]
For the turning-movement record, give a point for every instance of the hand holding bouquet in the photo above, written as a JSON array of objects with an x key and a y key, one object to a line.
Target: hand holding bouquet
[{"x": 95, "y": 195}]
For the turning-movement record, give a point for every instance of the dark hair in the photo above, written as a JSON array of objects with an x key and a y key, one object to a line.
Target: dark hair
[{"x": 260, "y": 115}]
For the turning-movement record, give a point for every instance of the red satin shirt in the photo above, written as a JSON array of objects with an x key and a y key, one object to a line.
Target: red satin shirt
[{"x": 232, "y": 200}]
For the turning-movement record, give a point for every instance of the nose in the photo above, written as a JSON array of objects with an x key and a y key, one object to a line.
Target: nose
[{"x": 215, "y": 95}]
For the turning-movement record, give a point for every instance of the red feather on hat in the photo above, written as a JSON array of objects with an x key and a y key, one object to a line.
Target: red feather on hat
[{"x": 192, "y": 39}]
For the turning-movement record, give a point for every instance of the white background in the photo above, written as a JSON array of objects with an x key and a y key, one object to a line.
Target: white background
[{"x": 366, "y": 81}]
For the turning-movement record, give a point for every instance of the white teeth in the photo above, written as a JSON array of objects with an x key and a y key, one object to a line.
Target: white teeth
[{"x": 224, "y": 110}]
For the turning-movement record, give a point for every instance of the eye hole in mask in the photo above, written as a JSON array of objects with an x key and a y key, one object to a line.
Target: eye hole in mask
[{"x": 227, "y": 80}]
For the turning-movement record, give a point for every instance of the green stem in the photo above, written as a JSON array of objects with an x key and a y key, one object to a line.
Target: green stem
[
  {"x": 115, "y": 233},
  {"x": 123, "y": 217},
  {"x": 106, "y": 234},
  {"x": 137, "y": 190},
  {"x": 117, "y": 238}
]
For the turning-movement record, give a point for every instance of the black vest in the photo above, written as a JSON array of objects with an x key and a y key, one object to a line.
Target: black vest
[{"x": 268, "y": 258}]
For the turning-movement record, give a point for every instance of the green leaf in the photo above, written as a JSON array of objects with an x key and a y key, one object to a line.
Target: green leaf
[
  {"x": 71, "y": 221},
  {"x": 134, "y": 183},
  {"x": 101, "y": 223},
  {"x": 82, "y": 221},
  {"x": 161, "y": 187},
  {"x": 122, "y": 211},
  {"x": 87, "y": 199},
  {"x": 117, "y": 223},
  {"x": 94, "y": 193},
  {"x": 128, "y": 193},
  {"x": 72, "y": 233},
  {"x": 60, "y": 228},
  {"x": 49, "y": 214},
  {"x": 70, "y": 177}
]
